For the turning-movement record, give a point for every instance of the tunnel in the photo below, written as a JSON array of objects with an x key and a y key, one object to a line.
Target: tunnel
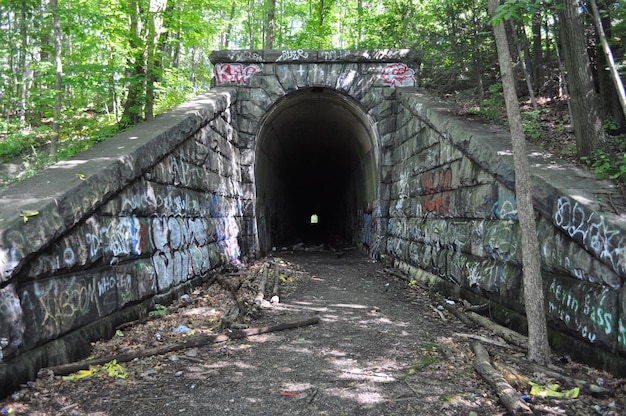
[{"x": 316, "y": 170}]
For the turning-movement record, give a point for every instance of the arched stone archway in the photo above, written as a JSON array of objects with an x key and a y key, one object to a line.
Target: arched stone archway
[
  {"x": 313, "y": 124},
  {"x": 316, "y": 153}
]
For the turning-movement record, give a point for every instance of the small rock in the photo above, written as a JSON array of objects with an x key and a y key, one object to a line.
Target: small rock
[
  {"x": 178, "y": 374},
  {"x": 275, "y": 300}
]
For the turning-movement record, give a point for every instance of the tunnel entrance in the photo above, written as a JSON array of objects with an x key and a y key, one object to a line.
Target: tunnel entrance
[{"x": 316, "y": 169}]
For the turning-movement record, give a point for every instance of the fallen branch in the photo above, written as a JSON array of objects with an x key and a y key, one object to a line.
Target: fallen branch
[
  {"x": 509, "y": 397},
  {"x": 189, "y": 342},
  {"x": 441, "y": 315},
  {"x": 508, "y": 335},
  {"x": 482, "y": 339},
  {"x": 453, "y": 310}
]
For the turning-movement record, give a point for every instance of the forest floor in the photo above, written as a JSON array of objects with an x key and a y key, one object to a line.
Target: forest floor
[{"x": 382, "y": 346}]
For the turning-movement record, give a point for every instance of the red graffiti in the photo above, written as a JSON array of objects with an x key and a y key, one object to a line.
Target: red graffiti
[
  {"x": 438, "y": 204},
  {"x": 234, "y": 73},
  {"x": 437, "y": 181},
  {"x": 398, "y": 75}
]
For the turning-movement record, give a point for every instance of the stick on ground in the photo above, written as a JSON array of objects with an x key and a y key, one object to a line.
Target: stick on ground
[
  {"x": 509, "y": 397},
  {"x": 190, "y": 342}
]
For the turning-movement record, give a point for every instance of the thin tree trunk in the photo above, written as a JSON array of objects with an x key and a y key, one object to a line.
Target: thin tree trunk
[
  {"x": 537, "y": 58},
  {"x": 563, "y": 90},
  {"x": 538, "y": 347},
  {"x": 134, "y": 103},
  {"x": 617, "y": 81},
  {"x": 56, "y": 124},
  {"x": 155, "y": 29},
  {"x": 23, "y": 65},
  {"x": 476, "y": 56},
  {"x": 229, "y": 29},
  {"x": 271, "y": 15},
  {"x": 527, "y": 74},
  {"x": 586, "y": 118}
]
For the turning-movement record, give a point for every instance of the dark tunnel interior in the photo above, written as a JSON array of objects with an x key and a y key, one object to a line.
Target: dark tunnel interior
[{"x": 315, "y": 155}]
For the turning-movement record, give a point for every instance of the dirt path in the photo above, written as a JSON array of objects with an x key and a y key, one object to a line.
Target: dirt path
[{"x": 380, "y": 349}]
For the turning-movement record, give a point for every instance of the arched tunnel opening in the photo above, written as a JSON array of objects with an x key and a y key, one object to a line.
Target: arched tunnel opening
[{"x": 316, "y": 170}]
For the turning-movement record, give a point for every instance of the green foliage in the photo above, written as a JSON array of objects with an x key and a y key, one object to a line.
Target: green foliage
[
  {"x": 491, "y": 108},
  {"x": 531, "y": 122},
  {"x": 159, "y": 310},
  {"x": 175, "y": 88},
  {"x": 610, "y": 163}
]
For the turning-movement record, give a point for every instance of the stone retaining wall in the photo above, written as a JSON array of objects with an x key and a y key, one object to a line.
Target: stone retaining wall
[
  {"x": 135, "y": 218},
  {"x": 452, "y": 215}
]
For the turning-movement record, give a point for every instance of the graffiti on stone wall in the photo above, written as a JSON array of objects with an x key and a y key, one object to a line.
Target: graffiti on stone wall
[
  {"x": 226, "y": 227},
  {"x": 621, "y": 335},
  {"x": 60, "y": 305},
  {"x": 234, "y": 73},
  {"x": 588, "y": 310},
  {"x": 372, "y": 231},
  {"x": 435, "y": 185},
  {"x": 591, "y": 230},
  {"x": 500, "y": 241},
  {"x": 181, "y": 249},
  {"x": 237, "y": 56},
  {"x": 506, "y": 206},
  {"x": 11, "y": 322},
  {"x": 398, "y": 75},
  {"x": 292, "y": 55},
  {"x": 118, "y": 237},
  {"x": 331, "y": 55}
]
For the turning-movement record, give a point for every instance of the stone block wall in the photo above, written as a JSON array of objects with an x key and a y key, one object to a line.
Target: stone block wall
[
  {"x": 137, "y": 218},
  {"x": 452, "y": 217}
]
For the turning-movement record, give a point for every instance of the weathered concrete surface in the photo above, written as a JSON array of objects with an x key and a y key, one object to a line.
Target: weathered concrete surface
[{"x": 218, "y": 180}]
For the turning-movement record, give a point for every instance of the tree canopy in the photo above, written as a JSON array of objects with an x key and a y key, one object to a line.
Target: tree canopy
[{"x": 110, "y": 65}]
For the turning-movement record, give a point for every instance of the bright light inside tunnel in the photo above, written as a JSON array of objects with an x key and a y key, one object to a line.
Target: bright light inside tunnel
[{"x": 316, "y": 158}]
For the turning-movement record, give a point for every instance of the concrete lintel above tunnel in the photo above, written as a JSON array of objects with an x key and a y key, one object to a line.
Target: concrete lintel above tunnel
[{"x": 316, "y": 154}]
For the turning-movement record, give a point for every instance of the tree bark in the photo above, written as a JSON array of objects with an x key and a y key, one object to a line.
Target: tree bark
[
  {"x": 608, "y": 54},
  {"x": 56, "y": 124},
  {"x": 269, "y": 32},
  {"x": 155, "y": 30},
  {"x": 537, "y": 57},
  {"x": 26, "y": 73},
  {"x": 586, "y": 117},
  {"x": 538, "y": 347},
  {"x": 134, "y": 103},
  {"x": 523, "y": 62}
]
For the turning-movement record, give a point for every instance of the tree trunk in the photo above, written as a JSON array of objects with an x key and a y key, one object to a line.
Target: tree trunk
[
  {"x": 523, "y": 61},
  {"x": 56, "y": 124},
  {"x": 608, "y": 55},
  {"x": 133, "y": 106},
  {"x": 538, "y": 347},
  {"x": 155, "y": 30},
  {"x": 229, "y": 28},
  {"x": 537, "y": 57},
  {"x": 26, "y": 73},
  {"x": 586, "y": 118},
  {"x": 271, "y": 15}
]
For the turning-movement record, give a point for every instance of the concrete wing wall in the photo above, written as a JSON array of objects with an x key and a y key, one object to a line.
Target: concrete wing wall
[
  {"x": 97, "y": 239},
  {"x": 453, "y": 219}
]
